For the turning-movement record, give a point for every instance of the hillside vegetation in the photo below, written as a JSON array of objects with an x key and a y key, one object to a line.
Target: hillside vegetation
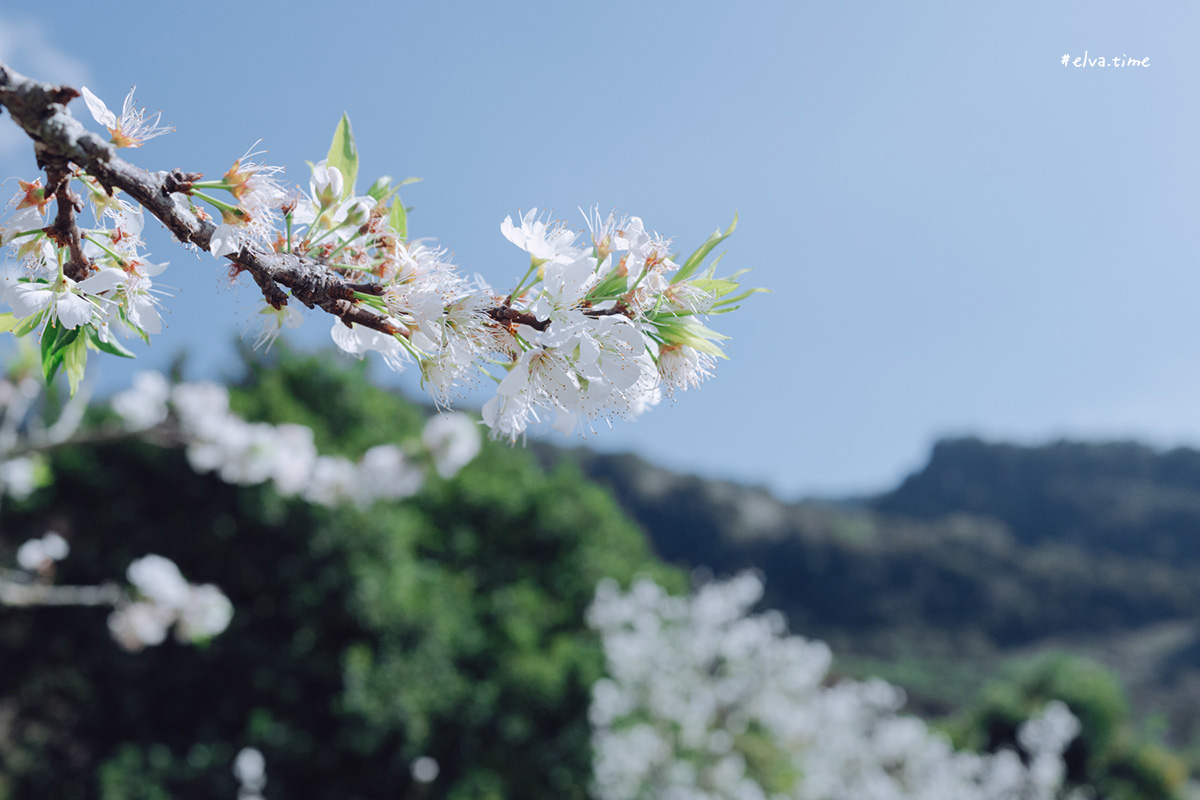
[{"x": 991, "y": 552}]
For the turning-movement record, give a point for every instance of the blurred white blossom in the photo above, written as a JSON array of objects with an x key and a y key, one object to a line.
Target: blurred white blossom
[
  {"x": 453, "y": 440},
  {"x": 425, "y": 769},
  {"x": 706, "y": 702},
  {"x": 36, "y": 555},
  {"x": 144, "y": 404},
  {"x": 139, "y": 625},
  {"x": 166, "y": 599},
  {"x": 18, "y": 477},
  {"x": 250, "y": 769},
  {"x": 205, "y": 613},
  {"x": 249, "y": 453}
]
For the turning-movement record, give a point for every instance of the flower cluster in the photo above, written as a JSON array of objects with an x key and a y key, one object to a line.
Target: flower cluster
[
  {"x": 84, "y": 293},
  {"x": 165, "y": 599},
  {"x": 248, "y": 453},
  {"x": 600, "y": 326},
  {"x": 705, "y": 701},
  {"x": 39, "y": 555},
  {"x": 623, "y": 323}
]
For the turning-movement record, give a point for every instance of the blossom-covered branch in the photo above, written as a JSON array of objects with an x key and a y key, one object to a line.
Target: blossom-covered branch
[{"x": 591, "y": 331}]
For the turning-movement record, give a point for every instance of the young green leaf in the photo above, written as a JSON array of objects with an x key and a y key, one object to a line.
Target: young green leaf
[
  {"x": 111, "y": 347},
  {"x": 75, "y": 360},
  {"x": 382, "y": 189},
  {"x": 54, "y": 343},
  {"x": 344, "y": 155},
  {"x": 28, "y": 324},
  {"x": 398, "y": 217},
  {"x": 695, "y": 259}
]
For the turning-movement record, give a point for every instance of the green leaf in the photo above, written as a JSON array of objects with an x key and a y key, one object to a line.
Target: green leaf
[
  {"x": 695, "y": 259},
  {"x": 738, "y": 298},
  {"x": 75, "y": 360},
  {"x": 611, "y": 286},
  {"x": 382, "y": 189},
  {"x": 28, "y": 324},
  {"x": 687, "y": 331},
  {"x": 398, "y": 217},
  {"x": 112, "y": 346},
  {"x": 718, "y": 287},
  {"x": 54, "y": 341},
  {"x": 7, "y": 322},
  {"x": 48, "y": 337},
  {"x": 65, "y": 339},
  {"x": 712, "y": 269},
  {"x": 344, "y": 155}
]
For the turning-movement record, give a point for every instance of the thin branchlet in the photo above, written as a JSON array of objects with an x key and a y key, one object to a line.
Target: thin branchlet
[{"x": 64, "y": 230}]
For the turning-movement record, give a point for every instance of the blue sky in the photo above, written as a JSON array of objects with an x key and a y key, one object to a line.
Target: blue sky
[{"x": 961, "y": 234}]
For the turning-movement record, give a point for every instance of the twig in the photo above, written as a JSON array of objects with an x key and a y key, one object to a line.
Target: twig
[{"x": 39, "y": 594}]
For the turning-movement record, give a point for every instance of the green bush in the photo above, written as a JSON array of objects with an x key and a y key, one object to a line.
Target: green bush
[
  {"x": 1106, "y": 755},
  {"x": 449, "y": 625}
]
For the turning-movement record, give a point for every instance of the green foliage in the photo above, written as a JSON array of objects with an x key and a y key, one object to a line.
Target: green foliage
[
  {"x": 343, "y": 154},
  {"x": 1106, "y": 755},
  {"x": 450, "y": 625}
]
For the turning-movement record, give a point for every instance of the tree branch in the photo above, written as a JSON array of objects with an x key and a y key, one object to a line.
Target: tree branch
[
  {"x": 60, "y": 140},
  {"x": 40, "y": 109},
  {"x": 65, "y": 231},
  {"x": 40, "y": 594}
]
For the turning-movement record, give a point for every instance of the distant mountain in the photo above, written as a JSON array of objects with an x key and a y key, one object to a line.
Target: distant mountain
[
  {"x": 991, "y": 550},
  {"x": 1123, "y": 498}
]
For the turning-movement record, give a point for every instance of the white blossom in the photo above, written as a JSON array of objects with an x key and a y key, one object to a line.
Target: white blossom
[
  {"x": 452, "y": 440},
  {"x": 696, "y": 683},
  {"x": 165, "y": 598},
  {"x": 139, "y": 625},
  {"x": 159, "y": 580},
  {"x": 205, "y": 613},
  {"x": 425, "y": 769},
  {"x": 144, "y": 404},
  {"x": 18, "y": 477},
  {"x": 36, "y": 555},
  {"x": 133, "y": 128},
  {"x": 250, "y": 769}
]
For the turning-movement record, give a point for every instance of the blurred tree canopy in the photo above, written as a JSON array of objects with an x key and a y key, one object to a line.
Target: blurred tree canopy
[{"x": 450, "y": 625}]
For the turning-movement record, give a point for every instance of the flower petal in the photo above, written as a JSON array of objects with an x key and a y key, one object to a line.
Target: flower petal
[
  {"x": 99, "y": 111},
  {"x": 73, "y": 310},
  {"x": 28, "y": 299}
]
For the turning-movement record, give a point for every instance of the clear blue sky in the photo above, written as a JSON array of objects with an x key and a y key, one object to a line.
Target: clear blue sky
[{"x": 962, "y": 235}]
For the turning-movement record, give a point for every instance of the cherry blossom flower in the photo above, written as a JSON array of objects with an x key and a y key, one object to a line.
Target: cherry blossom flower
[
  {"x": 543, "y": 242},
  {"x": 358, "y": 340},
  {"x": 269, "y": 322},
  {"x": 144, "y": 404},
  {"x": 159, "y": 580},
  {"x": 452, "y": 440},
  {"x": 69, "y": 303},
  {"x": 26, "y": 219},
  {"x": 133, "y": 128},
  {"x": 37, "y": 555}
]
